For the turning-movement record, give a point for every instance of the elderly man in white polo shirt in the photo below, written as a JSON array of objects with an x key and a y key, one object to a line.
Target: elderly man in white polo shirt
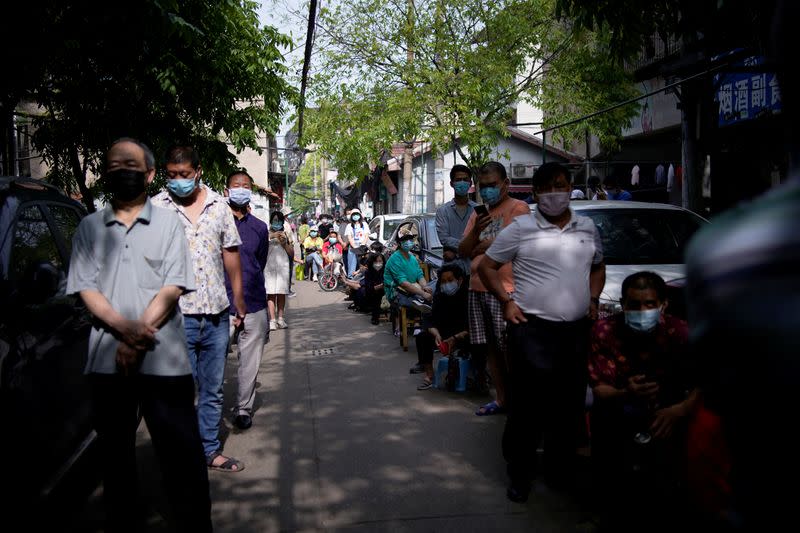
[{"x": 557, "y": 260}]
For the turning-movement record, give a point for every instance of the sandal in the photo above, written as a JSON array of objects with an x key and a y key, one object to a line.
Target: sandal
[
  {"x": 491, "y": 408},
  {"x": 230, "y": 465},
  {"x": 425, "y": 385}
]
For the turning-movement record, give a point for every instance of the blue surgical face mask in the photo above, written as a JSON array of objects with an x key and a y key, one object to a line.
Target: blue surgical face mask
[
  {"x": 407, "y": 245},
  {"x": 450, "y": 288},
  {"x": 276, "y": 226},
  {"x": 312, "y": 233},
  {"x": 240, "y": 195},
  {"x": 643, "y": 321},
  {"x": 490, "y": 195},
  {"x": 332, "y": 240},
  {"x": 182, "y": 187},
  {"x": 355, "y": 218},
  {"x": 461, "y": 188}
]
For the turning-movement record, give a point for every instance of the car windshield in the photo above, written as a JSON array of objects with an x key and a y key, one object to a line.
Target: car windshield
[
  {"x": 433, "y": 237},
  {"x": 644, "y": 237},
  {"x": 389, "y": 227}
]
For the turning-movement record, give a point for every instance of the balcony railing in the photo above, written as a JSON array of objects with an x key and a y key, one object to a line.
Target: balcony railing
[{"x": 654, "y": 51}]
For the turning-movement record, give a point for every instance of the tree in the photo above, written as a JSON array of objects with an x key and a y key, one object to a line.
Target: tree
[
  {"x": 577, "y": 83},
  {"x": 305, "y": 191},
  {"x": 473, "y": 61},
  {"x": 164, "y": 71}
]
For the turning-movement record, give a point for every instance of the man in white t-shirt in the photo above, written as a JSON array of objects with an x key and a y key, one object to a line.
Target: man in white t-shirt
[{"x": 558, "y": 271}]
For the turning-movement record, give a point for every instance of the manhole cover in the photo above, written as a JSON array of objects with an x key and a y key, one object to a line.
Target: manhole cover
[{"x": 319, "y": 352}]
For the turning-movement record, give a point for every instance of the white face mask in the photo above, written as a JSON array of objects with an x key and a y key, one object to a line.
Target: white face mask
[
  {"x": 553, "y": 203},
  {"x": 377, "y": 266}
]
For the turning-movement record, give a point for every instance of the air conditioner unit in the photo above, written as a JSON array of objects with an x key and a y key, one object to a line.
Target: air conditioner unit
[{"x": 521, "y": 174}]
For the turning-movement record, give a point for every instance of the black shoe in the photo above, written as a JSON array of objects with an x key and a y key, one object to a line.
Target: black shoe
[
  {"x": 421, "y": 305},
  {"x": 518, "y": 493},
  {"x": 243, "y": 421},
  {"x": 375, "y": 321},
  {"x": 417, "y": 369}
]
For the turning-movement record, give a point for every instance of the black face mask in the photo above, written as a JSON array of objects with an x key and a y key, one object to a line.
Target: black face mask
[{"x": 125, "y": 184}]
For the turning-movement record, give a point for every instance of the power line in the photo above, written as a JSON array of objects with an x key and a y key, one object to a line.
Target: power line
[{"x": 632, "y": 100}]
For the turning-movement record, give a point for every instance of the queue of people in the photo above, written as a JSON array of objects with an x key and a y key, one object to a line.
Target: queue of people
[
  {"x": 205, "y": 271},
  {"x": 527, "y": 316},
  {"x": 171, "y": 281}
]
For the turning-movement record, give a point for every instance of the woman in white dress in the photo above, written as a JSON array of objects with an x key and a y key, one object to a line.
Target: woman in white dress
[{"x": 276, "y": 273}]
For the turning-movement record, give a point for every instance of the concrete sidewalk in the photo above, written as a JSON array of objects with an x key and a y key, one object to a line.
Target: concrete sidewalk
[{"x": 343, "y": 441}]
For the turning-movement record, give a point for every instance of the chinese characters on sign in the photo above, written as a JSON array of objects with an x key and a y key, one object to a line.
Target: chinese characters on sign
[{"x": 746, "y": 95}]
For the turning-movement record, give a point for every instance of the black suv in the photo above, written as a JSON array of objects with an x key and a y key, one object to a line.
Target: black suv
[{"x": 44, "y": 394}]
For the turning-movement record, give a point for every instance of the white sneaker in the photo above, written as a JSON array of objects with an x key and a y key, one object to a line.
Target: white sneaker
[
  {"x": 282, "y": 324},
  {"x": 273, "y": 325},
  {"x": 315, "y": 278}
]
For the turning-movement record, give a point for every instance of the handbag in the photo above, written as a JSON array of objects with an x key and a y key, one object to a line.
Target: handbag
[{"x": 385, "y": 305}]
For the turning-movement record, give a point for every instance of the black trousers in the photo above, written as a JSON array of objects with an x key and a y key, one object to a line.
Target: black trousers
[
  {"x": 368, "y": 299},
  {"x": 424, "y": 342},
  {"x": 547, "y": 390},
  {"x": 167, "y": 405}
]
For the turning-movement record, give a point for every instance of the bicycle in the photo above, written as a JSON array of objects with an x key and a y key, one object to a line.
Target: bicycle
[{"x": 329, "y": 278}]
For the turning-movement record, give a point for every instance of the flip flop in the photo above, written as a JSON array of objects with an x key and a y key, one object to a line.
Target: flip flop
[
  {"x": 491, "y": 408},
  {"x": 231, "y": 465}
]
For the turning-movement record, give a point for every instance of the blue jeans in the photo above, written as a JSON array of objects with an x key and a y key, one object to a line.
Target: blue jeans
[
  {"x": 352, "y": 262},
  {"x": 207, "y": 338},
  {"x": 316, "y": 262}
]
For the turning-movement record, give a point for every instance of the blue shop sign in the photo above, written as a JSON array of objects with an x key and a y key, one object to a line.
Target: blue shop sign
[{"x": 747, "y": 95}]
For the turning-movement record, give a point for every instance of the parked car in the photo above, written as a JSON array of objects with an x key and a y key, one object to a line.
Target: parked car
[
  {"x": 639, "y": 236},
  {"x": 426, "y": 246},
  {"x": 384, "y": 225},
  {"x": 44, "y": 394}
]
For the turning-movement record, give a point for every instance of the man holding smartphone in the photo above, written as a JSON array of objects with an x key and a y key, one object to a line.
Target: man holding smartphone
[{"x": 486, "y": 321}]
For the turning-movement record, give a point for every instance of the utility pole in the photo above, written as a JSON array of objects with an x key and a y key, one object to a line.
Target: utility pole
[{"x": 286, "y": 188}]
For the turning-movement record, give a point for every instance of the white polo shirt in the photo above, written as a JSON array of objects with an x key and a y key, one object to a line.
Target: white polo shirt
[{"x": 551, "y": 265}]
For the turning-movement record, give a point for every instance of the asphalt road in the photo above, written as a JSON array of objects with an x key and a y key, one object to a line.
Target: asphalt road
[{"x": 343, "y": 441}]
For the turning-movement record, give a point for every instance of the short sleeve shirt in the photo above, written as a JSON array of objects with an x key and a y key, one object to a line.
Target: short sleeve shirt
[
  {"x": 551, "y": 265},
  {"x": 502, "y": 215},
  {"x": 215, "y": 230},
  {"x": 129, "y": 266},
  {"x": 313, "y": 242},
  {"x": 358, "y": 231},
  {"x": 398, "y": 270},
  {"x": 616, "y": 355}
]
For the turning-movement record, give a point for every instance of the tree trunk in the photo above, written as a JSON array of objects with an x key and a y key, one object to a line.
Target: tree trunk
[
  {"x": 79, "y": 173},
  {"x": 408, "y": 178}
]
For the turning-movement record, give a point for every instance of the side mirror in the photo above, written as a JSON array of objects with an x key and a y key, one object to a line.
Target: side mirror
[{"x": 373, "y": 236}]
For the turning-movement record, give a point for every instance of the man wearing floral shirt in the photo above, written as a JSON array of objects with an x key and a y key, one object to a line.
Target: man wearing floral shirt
[
  {"x": 214, "y": 246},
  {"x": 642, "y": 385}
]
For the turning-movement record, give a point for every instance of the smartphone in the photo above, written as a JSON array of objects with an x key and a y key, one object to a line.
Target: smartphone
[{"x": 481, "y": 210}]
